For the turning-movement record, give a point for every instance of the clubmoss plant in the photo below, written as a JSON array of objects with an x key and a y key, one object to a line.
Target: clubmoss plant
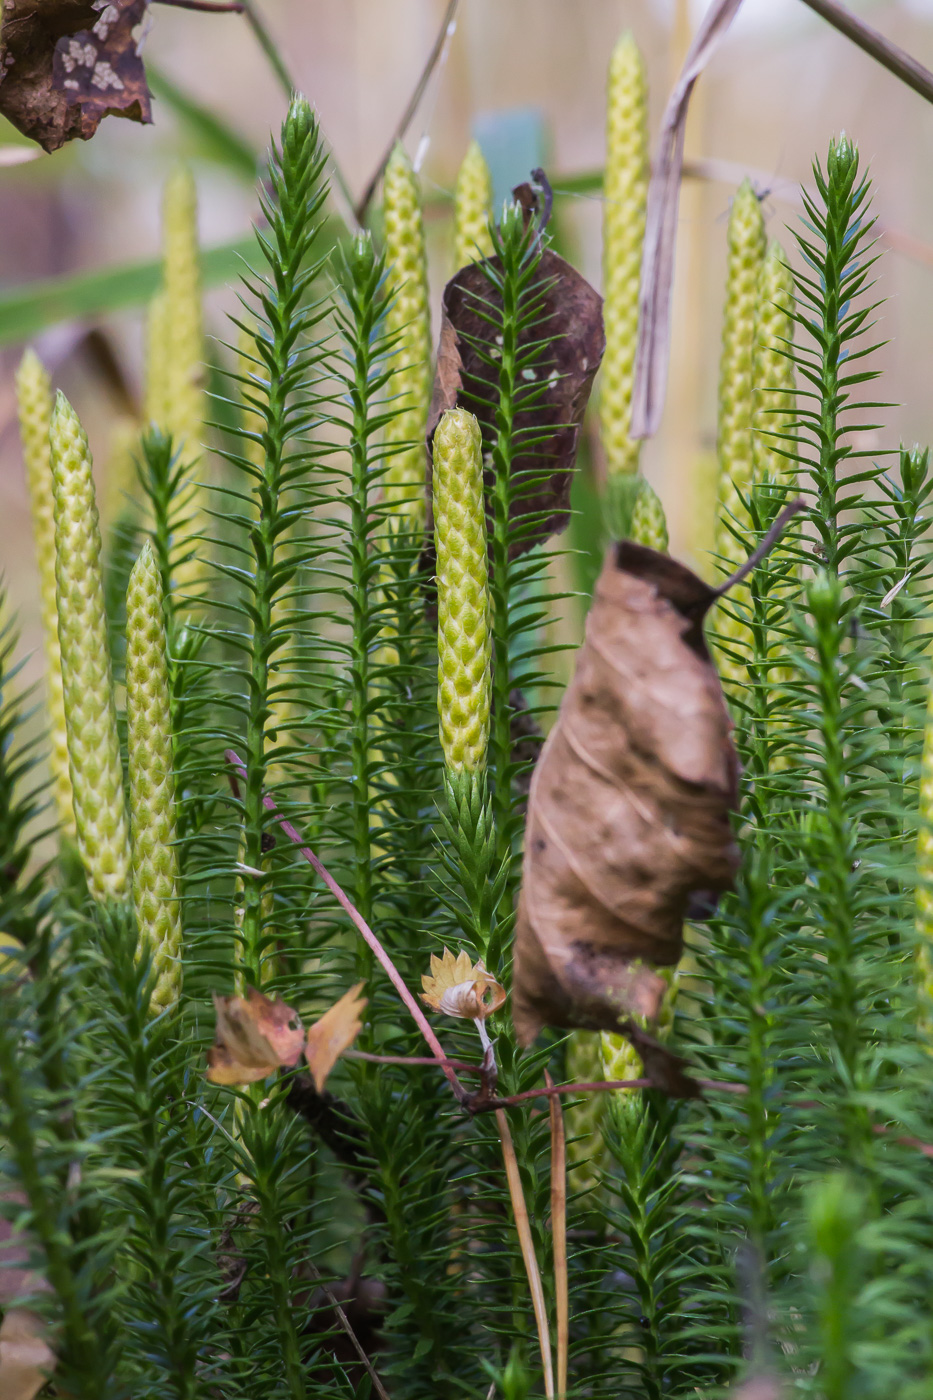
[
  {"x": 472, "y": 208},
  {"x": 151, "y": 776},
  {"x": 747, "y": 246},
  {"x": 181, "y": 319},
  {"x": 34, "y": 402},
  {"x": 90, "y": 714},
  {"x": 773, "y": 368},
  {"x": 649, "y": 523},
  {"x": 464, "y": 649},
  {"x": 625, "y": 194},
  {"x": 409, "y": 324}
]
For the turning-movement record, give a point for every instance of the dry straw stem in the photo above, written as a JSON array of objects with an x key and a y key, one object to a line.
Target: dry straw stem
[
  {"x": 523, "y": 1230},
  {"x": 625, "y": 192},
  {"x": 472, "y": 208},
  {"x": 152, "y": 781},
  {"x": 408, "y": 322},
  {"x": 34, "y": 401},
  {"x": 464, "y": 642},
  {"x": 90, "y": 713},
  {"x": 559, "y": 1234},
  {"x": 654, "y": 325}
]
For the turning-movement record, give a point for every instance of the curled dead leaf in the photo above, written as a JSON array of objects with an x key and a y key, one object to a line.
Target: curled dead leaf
[
  {"x": 26, "y": 1359},
  {"x": 628, "y": 814},
  {"x": 457, "y": 987},
  {"x": 333, "y": 1033},
  {"x": 255, "y": 1036},
  {"x": 552, "y": 396},
  {"x": 67, "y": 64}
]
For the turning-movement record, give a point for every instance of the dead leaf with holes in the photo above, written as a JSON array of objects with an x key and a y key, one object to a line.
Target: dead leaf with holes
[
  {"x": 255, "y": 1036},
  {"x": 67, "y": 64},
  {"x": 553, "y": 391},
  {"x": 333, "y": 1033},
  {"x": 457, "y": 987},
  {"x": 628, "y": 814}
]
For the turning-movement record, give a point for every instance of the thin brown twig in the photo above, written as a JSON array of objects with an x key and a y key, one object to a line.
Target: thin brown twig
[
  {"x": 461, "y": 1065},
  {"x": 346, "y": 1325},
  {"x": 372, "y": 942},
  {"x": 412, "y": 107},
  {"x": 233, "y": 7},
  {"x": 888, "y": 54},
  {"x": 559, "y": 1234},
  {"x": 523, "y": 1230}
]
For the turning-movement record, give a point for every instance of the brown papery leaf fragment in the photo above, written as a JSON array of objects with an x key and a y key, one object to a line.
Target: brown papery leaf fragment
[
  {"x": 628, "y": 815},
  {"x": 26, "y": 1359},
  {"x": 333, "y": 1033},
  {"x": 571, "y": 329},
  {"x": 255, "y": 1036},
  {"x": 67, "y": 64}
]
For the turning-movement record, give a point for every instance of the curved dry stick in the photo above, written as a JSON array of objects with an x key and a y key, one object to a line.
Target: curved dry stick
[
  {"x": 411, "y": 109},
  {"x": 372, "y": 942}
]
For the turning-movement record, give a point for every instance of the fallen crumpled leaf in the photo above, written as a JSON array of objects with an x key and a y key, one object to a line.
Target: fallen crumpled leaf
[
  {"x": 457, "y": 987},
  {"x": 570, "y": 329},
  {"x": 67, "y": 64},
  {"x": 333, "y": 1033},
  {"x": 255, "y": 1036},
  {"x": 628, "y": 814},
  {"x": 26, "y": 1359}
]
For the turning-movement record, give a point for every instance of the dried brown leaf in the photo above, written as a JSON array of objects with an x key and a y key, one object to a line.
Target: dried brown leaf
[
  {"x": 457, "y": 987},
  {"x": 26, "y": 1359},
  {"x": 571, "y": 327},
  {"x": 255, "y": 1036},
  {"x": 67, "y": 64},
  {"x": 628, "y": 815},
  {"x": 333, "y": 1033}
]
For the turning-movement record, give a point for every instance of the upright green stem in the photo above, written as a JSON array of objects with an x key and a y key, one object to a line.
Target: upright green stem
[{"x": 297, "y": 196}]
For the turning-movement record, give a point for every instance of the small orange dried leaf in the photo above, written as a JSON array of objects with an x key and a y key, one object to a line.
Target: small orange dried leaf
[
  {"x": 255, "y": 1036},
  {"x": 457, "y": 987},
  {"x": 333, "y": 1033}
]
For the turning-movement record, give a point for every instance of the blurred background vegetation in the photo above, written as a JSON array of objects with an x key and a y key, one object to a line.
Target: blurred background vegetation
[{"x": 527, "y": 78}]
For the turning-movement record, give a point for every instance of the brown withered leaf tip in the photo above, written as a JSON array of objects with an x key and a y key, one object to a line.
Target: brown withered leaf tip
[
  {"x": 571, "y": 327},
  {"x": 67, "y": 64},
  {"x": 628, "y": 814},
  {"x": 255, "y": 1036},
  {"x": 333, "y": 1033}
]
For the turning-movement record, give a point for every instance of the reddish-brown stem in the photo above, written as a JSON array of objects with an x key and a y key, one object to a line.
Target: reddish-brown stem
[
  {"x": 382, "y": 957},
  {"x": 461, "y": 1065},
  {"x": 221, "y": 7}
]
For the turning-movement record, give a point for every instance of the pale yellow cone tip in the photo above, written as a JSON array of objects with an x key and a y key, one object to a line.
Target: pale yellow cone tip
[{"x": 457, "y": 429}]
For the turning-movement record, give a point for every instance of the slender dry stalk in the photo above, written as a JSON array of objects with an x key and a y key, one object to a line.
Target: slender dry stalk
[
  {"x": 523, "y": 1230},
  {"x": 559, "y": 1234},
  {"x": 369, "y": 937}
]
